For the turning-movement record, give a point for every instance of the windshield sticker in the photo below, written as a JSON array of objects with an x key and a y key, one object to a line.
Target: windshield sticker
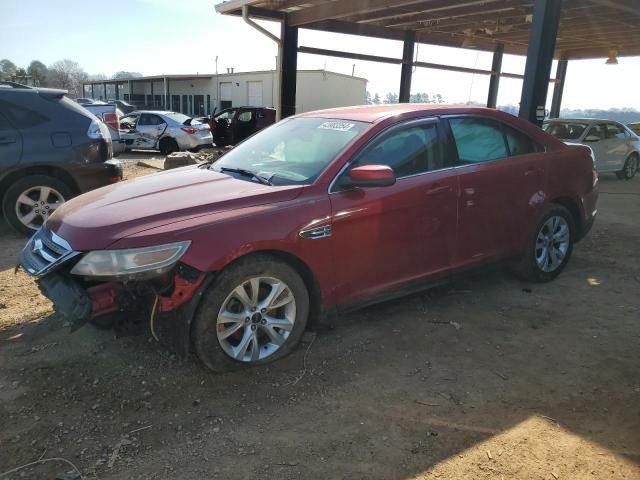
[{"x": 339, "y": 126}]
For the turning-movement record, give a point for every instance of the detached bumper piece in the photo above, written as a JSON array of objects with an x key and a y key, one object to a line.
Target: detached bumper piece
[{"x": 69, "y": 298}]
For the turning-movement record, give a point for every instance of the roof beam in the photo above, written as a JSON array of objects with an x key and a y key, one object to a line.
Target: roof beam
[
  {"x": 340, "y": 9},
  {"x": 629, "y": 6}
]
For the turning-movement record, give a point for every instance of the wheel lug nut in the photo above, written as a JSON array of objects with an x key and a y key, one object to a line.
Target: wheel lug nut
[
  {"x": 247, "y": 320},
  {"x": 263, "y": 310},
  {"x": 253, "y": 327},
  {"x": 263, "y": 321}
]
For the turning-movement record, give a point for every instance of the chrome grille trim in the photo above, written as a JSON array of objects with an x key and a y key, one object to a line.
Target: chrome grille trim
[{"x": 44, "y": 252}]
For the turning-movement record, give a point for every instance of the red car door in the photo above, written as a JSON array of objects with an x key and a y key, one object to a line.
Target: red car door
[
  {"x": 483, "y": 211},
  {"x": 388, "y": 236}
]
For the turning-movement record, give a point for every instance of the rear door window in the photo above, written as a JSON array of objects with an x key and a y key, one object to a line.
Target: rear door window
[
  {"x": 615, "y": 131},
  {"x": 519, "y": 143},
  {"x": 150, "y": 119},
  {"x": 478, "y": 139},
  {"x": 597, "y": 131},
  {"x": 21, "y": 117}
]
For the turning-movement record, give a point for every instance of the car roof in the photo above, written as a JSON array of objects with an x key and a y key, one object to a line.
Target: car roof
[
  {"x": 581, "y": 120},
  {"x": 376, "y": 113}
]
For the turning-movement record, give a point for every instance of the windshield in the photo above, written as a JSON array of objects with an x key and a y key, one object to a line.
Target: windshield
[
  {"x": 565, "y": 130},
  {"x": 292, "y": 152}
]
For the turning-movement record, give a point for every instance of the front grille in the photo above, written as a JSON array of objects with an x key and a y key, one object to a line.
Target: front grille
[{"x": 44, "y": 252}]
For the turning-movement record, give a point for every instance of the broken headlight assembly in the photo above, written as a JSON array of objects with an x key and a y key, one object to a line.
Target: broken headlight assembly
[{"x": 131, "y": 263}]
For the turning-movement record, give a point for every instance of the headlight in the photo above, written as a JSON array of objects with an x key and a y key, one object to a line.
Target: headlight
[{"x": 148, "y": 261}]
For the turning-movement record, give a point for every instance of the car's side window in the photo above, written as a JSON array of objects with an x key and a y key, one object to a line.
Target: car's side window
[
  {"x": 615, "y": 131},
  {"x": 597, "y": 131},
  {"x": 519, "y": 143},
  {"x": 148, "y": 119},
  {"x": 478, "y": 139},
  {"x": 409, "y": 151},
  {"x": 246, "y": 117},
  {"x": 20, "y": 116}
]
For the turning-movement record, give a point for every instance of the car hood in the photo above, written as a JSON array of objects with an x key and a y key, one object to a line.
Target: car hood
[{"x": 99, "y": 218}]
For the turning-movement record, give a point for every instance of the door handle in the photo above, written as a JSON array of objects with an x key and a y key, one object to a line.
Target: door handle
[{"x": 436, "y": 189}]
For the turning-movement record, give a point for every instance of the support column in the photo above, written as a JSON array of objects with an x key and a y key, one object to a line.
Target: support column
[
  {"x": 542, "y": 43},
  {"x": 153, "y": 100},
  {"x": 117, "y": 86},
  {"x": 166, "y": 103},
  {"x": 408, "y": 52},
  {"x": 288, "y": 69},
  {"x": 92, "y": 94},
  {"x": 494, "y": 81},
  {"x": 104, "y": 89},
  {"x": 169, "y": 106},
  {"x": 131, "y": 92},
  {"x": 558, "y": 88}
]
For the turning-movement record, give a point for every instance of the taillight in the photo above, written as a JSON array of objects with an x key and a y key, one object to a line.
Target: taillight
[
  {"x": 190, "y": 130},
  {"x": 111, "y": 119}
]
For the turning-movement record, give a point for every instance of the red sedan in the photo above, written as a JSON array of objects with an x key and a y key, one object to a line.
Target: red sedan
[{"x": 318, "y": 212}]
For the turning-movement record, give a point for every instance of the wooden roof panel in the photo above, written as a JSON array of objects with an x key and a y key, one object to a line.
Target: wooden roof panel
[{"x": 588, "y": 28}]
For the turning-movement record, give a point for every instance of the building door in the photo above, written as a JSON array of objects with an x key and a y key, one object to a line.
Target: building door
[
  {"x": 254, "y": 94},
  {"x": 198, "y": 104},
  {"x": 226, "y": 95},
  {"x": 175, "y": 103},
  {"x": 185, "y": 104}
]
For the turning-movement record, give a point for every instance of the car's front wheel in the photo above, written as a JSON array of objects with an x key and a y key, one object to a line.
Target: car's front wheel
[
  {"x": 254, "y": 313},
  {"x": 550, "y": 248},
  {"x": 31, "y": 200},
  {"x": 630, "y": 168}
]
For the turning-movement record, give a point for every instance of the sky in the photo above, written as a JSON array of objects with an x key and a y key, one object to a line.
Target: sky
[{"x": 186, "y": 36}]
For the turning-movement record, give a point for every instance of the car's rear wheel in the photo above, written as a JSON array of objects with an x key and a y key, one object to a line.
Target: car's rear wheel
[
  {"x": 168, "y": 145},
  {"x": 254, "y": 313},
  {"x": 550, "y": 248},
  {"x": 630, "y": 168},
  {"x": 31, "y": 200}
]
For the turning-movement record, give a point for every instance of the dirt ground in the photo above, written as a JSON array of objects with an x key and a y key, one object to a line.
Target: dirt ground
[{"x": 486, "y": 378}]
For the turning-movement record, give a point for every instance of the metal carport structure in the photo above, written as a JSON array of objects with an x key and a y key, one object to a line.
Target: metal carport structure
[{"x": 540, "y": 29}]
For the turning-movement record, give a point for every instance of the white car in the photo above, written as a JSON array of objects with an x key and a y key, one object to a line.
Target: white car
[
  {"x": 165, "y": 131},
  {"x": 615, "y": 147}
]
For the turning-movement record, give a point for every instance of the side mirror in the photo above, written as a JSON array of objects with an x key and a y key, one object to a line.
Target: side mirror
[
  {"x": 370, "y": 176},
  {"x": 592, "y": 138}
]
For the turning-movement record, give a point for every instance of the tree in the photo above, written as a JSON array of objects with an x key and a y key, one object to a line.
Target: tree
[
  {"x": 367, "y": 97},
  {"x": 124, "y": 74},
  {"x": 437, "y": 98},
  {"x": 97, "y": 76},
  {"x": 68, "y": 75},
  {"x": 391, "y": 98},
  {"x": 7, "y": 69},
  {"x": 38, "y": 72},
  {"x": 376, "y": 99}
]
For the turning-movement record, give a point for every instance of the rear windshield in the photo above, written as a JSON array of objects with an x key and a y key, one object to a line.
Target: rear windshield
[
  {"x": 177, "y": 117},
  {"x": 565, "y": 130}
]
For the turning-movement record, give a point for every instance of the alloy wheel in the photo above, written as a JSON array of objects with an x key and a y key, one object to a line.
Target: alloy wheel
[
  {"x": 256, "y": 319},
  {"x": 552, "y": 243},
  {"x": 36, "y": 204}
]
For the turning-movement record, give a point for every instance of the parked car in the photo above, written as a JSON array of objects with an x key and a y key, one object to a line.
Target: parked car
[
  {"x": 319, "y": 212},
  {"x": 233, "y": 125},
  {"x": 123, "y": 106},
  {"x": 85, "y": 101},
  {"x": 51, "y": 149},
  {"x": 634, "y": 127},
  {"x": 165, "y": 131},
  {"x": 110, "y": 114},
  {"x": 616, "y": 148}
]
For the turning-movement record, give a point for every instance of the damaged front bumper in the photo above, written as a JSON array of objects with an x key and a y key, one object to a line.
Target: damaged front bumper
[{"x": 162, "y": 306}]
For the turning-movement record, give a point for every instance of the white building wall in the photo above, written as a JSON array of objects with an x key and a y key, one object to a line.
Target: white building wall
[{"x": 316, "y": 89}]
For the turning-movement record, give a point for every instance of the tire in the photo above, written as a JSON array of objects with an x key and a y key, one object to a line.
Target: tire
[
  {"x": 215, "y": 340},
  {"x": 630, "y": 168},
  {"x": 34, "y": 187},
  {"x": 532, "y": 266},
  {"x": 168, "y": 145}
]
